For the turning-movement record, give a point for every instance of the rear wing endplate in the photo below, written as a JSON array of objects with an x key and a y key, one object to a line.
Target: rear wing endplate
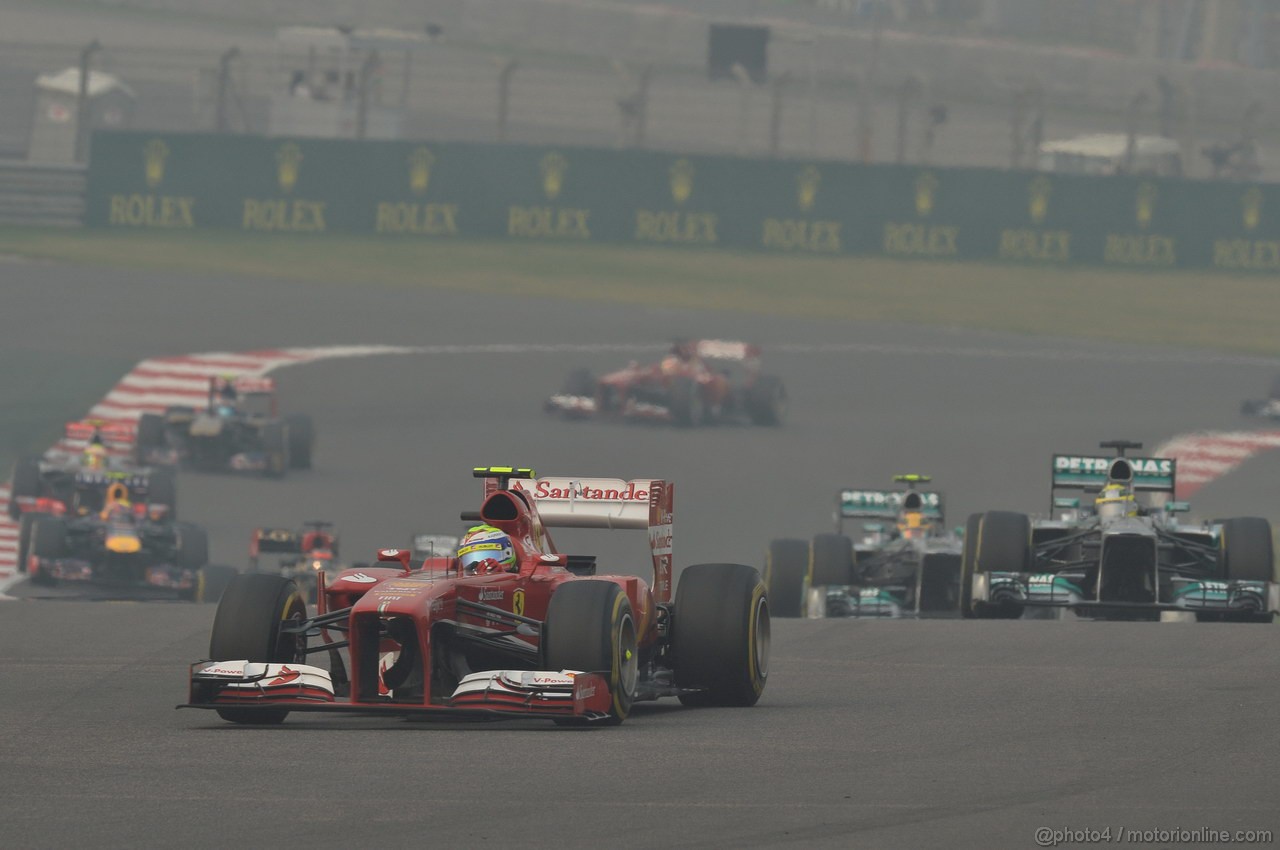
[{"x": 1151, "y": 474}]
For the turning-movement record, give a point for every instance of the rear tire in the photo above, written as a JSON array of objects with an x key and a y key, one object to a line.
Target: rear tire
[
  {"x": 1246, "y": 549},
  {"x": 247, "y": 627},
  {"x": 48, "y": 540},
  {"x": 302, "y": 439},
  {"x": 162, "y": 489},
  {"x": 25, "y": 527},
  {"x": 722, "y": 635},
  {"x": 685, "y": 403},
  {"x": 938, "y": 583},
  {"x": 26, "y": 481},
  {"x": 193, "y": 548},
  {"x": 767, "y": 400},
  {"x": 831, "y": 561},
  {"x": 590, "y": 628},
  {"x": 1003, "y": 544},
  {"x": 579, "y": 382},
  {"x": 966, "y": 565},
  {"x": 786, "y": 575},
  {"x": 150, "y": 435},
  {"x": 212, "y": 581},
  {"x": 275, "y": 445}
]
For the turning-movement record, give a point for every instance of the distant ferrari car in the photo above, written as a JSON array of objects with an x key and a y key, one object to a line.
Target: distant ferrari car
[
  {"x": 121, "y": 545},
  {"x": 905, "y": 563},
  {"x": 58, "y": 480},
  {"x": 239, "y": 429},
  {"x": 696, "y": 383},
  {"x": 302, "y": 554},
  {"x": 528, "y": 632},
  {"x": 1120, "y": 554},
  {"x": 1267, "y": 408}
]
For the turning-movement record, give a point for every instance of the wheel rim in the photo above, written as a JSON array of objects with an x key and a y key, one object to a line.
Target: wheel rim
[
  {"x": 763, "y": 637},
  {"x": 628, "y": 659}
]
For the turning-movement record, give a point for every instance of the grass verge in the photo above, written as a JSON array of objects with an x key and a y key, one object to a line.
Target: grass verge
[{"x": 1183, "y": 308}]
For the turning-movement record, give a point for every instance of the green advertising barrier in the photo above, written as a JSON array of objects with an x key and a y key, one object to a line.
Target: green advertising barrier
[{"x": 567, "y": 194}]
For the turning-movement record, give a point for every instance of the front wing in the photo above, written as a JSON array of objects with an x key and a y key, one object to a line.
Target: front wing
[
  {"x": 585, "y": 407},
  {"x": 1049, "y": 590},
  {"x": 493, "y": 695}
]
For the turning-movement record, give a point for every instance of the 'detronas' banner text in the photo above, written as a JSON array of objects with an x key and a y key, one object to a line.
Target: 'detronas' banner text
[{"x": 565, "y": 194}]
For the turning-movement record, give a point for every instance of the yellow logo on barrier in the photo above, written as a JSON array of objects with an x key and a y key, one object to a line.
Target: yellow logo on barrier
[
  {"x": 154, "y": 155},
  {"x": 681, "y": 180},
  {"x": 807, "y": 188},
  {"x": 553, "y": 168},
  {"x": 1252, "y": 202},
  {"x": 420, "y": 162},
  {"x": 288, "y": 160},
  {"x": 926, "y": 193},
  {"x": 1147, "y": 194},
  {"x": 1040, "y": 189}
]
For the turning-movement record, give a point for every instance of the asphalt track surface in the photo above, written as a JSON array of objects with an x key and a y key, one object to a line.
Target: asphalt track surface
[{"x": 958, "y": 734}]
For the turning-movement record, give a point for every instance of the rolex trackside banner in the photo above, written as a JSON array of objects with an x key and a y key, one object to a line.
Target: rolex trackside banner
[{"x": 428, "y": 190}]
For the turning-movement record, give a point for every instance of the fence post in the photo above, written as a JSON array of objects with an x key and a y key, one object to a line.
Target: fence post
[
  {"x": 505, "y": 70},
  {"x": 909, "y": 91},
  {"x": 224, "y": 84},
  {"x": 82, "y": 98},
  {"x": 744, "y": 82},
  {"x": 367, "y": 69},
  {"x": 1131, "y": 146},
  {"x": 775, "y": 115}
]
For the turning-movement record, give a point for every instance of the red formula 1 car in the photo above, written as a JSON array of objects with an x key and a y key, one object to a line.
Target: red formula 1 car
[
  {"x": 697, "y": 382},
  {"x": 298, "y": 555},
  {"x": 545, "y": 637}
]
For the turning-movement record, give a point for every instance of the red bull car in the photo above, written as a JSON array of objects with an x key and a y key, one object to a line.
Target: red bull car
[
  {"x": 697, "y": 383},
  {"x": 543, "y": 635}
]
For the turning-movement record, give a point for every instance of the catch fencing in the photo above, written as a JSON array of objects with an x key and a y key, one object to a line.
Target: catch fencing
[{"x": 572, "y": 194}]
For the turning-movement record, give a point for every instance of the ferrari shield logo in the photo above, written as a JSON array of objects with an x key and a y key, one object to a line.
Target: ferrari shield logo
[
  {"x": 926, "y": 193},
  {"x": 288, "y": 160},
  {"x": 1039, "y": 190},
  {"x": 807, "y": 188},
  {"x": 553, "y": 167},
  {"x": 420, "y": 162},
  {"x": 1147, "y": 194},
  {"x": 1252, "y": 202},
  {"x": 517, "y": 603},
  {"x": 681, "y": 180},
  {"x": 154, "y": 155}
]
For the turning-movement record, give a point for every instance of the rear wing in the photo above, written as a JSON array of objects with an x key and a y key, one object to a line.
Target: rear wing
[
  {"x": 275, "y": 540},
  {"x": 243, "y": 384},
  {"x": 1151, "y": 474},
  {"x": 112, "y": 434},
  {"x": 644, "y": 503},
  {"x": 884, "y": 504},
  {"x": 720, "y": 349}
]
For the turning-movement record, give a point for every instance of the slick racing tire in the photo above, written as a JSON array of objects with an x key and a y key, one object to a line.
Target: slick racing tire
[
  {"x": 162, "y": 489},
  {"x": 767, "y": 401},
  {"x": 786, "y": 575},
  {"x": 212, "y": 581},
  {"x": 966, "y": 564},
  {"x": 686, "y": 404},
  {"x": 590, "y": 628},
  {"x": 302, "y": 439},
  {"x": 26, "y": 481},
  {"x": 939, "y": 587},
  {"x": 721, "y": 635},
  {"x": 150, "y": 435},
  {"x": 831, "y": 561},
  {"x": 193, "y": 548},
  {"x": 26, "y": 526},
  {"x": 48, "y": 540},
  {"x": 1246, "y": 549},
  {"x": 247, "y": 626},
  {"x": 1002, "y": 544},
  {"x": 275, "y": 445}
]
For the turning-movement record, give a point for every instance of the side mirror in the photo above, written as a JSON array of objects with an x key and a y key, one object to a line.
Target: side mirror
[
  {"x": 1177, "y": 507},
  {"x": 1066, "y": 503},
  {"x": 401, "y": 555}
]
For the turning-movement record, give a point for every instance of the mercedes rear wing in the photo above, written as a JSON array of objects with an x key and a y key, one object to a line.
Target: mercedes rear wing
[
  {"x": 1081, "y": 472},
  {"x": 884, "y": 504},
  {"x": 572, "y": 502}
]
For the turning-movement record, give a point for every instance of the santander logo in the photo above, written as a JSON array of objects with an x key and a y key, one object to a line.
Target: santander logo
[{"x": 587, "y": 489}]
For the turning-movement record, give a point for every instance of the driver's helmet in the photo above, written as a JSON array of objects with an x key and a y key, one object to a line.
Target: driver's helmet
[
  {"x": 1115, "y": 501},
  {"x": 225, "y": 410},
  {"x": 95, "y": 455},
  {"x": 485, "y": 543}
]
